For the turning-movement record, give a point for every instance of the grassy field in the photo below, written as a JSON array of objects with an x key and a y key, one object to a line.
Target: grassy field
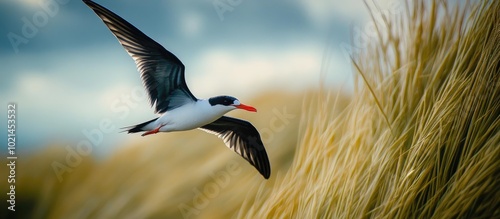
[
  {"x": 418, "y": 138},
  {"x": 421, "y": 138}
]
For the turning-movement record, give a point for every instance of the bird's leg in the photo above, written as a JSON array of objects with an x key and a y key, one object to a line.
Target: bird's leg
[{"x": 154, "y": 131}]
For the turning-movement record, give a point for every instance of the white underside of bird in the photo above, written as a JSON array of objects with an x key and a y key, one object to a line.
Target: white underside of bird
[{"x": 189, "y": 116}]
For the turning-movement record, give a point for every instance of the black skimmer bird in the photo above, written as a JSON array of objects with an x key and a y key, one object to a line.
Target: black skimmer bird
[{"x": 162, "y": 74}]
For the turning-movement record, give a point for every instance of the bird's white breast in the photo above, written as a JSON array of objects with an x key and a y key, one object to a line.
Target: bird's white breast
[{"x": 190, "y": 116}]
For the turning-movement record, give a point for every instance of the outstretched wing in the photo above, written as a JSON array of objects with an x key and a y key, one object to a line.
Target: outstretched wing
[
  {"x": 161, "y": 71},
  {"x": 244, "y": 139}
]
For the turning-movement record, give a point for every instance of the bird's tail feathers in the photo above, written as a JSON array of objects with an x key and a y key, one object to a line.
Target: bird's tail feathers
[{"x": 137, "y": 128}]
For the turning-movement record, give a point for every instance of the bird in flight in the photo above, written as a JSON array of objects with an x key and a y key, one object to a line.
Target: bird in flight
[{"x": 162, "y": 74}]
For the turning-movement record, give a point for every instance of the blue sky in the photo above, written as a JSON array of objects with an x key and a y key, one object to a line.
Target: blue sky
[{"x": 67, "y": 73}]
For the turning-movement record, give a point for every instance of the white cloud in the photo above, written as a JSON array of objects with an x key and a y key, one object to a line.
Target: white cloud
[
  {"x": 51, "y": 109},
  {"x": 246, "y": 72},
  {"x": 321, "y": 12},
  {"x": 191, "y": 24},
  {"x": 40, "y": 91}
]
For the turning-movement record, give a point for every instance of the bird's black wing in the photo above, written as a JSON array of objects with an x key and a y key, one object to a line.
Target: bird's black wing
[
  {"x": 161, "y": 71},
  {"x": 244, "y": 139}
]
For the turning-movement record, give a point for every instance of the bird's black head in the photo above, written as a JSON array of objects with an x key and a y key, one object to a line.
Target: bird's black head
[
  {"x": 223, "y": 100},
  {"x": 229, "y": 103}
]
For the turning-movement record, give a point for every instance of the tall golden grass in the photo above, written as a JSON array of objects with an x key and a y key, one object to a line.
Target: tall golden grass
[{"x": 421, "y": 138}]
